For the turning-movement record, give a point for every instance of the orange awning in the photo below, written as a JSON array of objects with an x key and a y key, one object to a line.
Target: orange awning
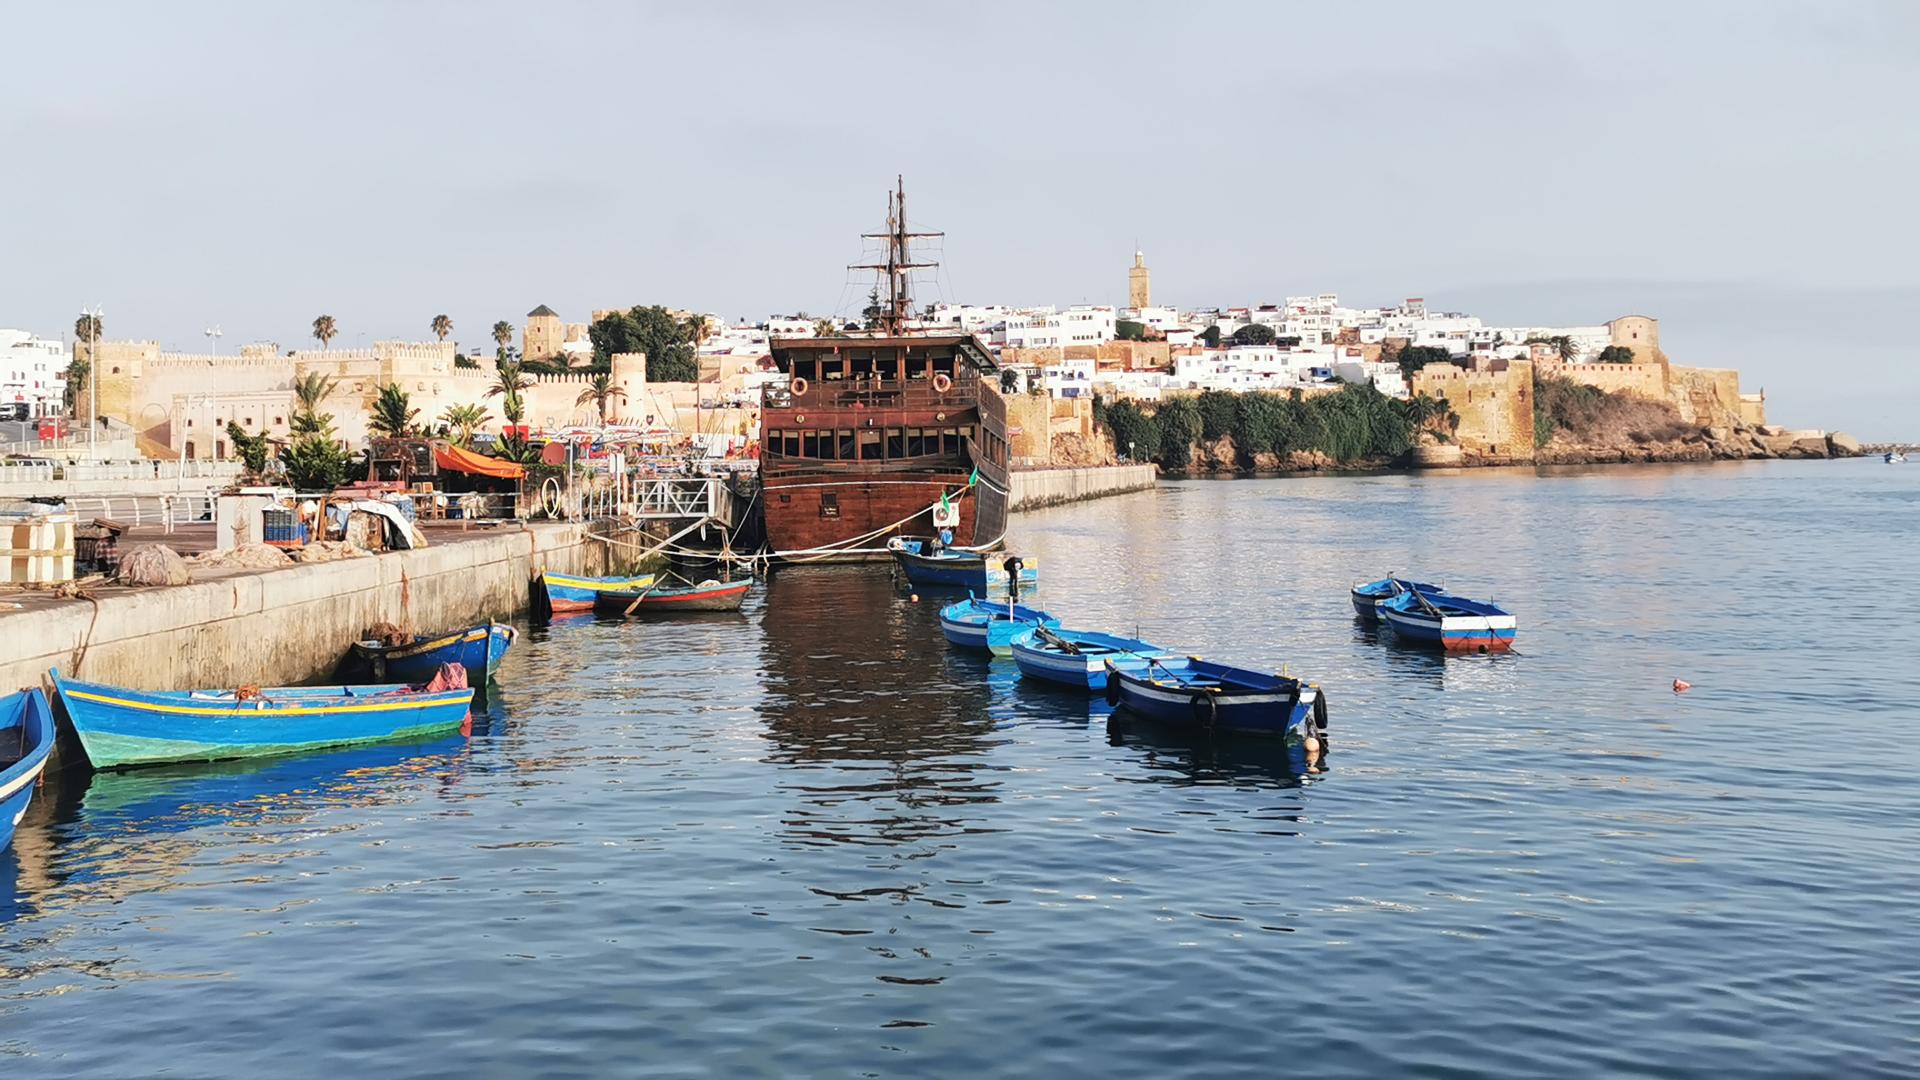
[{"x": 466, "y": 461}]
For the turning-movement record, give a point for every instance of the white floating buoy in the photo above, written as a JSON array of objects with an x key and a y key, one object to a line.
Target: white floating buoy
[{"x": 1681, "y": 686}]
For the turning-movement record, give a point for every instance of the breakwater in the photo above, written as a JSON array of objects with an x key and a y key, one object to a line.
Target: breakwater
[
  {"x": 283, "y": 626},
  {"x": 1052, "y": 487}
]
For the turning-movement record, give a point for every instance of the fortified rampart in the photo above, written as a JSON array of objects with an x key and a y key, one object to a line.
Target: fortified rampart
[
  {"x": 1044, "y": 431},
  {"x": 1647, "y": 380},
  {"x": 1495, "y": 407}
]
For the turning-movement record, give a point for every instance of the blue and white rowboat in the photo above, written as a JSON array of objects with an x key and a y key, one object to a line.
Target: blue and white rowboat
[
  {"x": 1079, "y": 658},
  {"x": 479, "y": 649},
  {"x": 1368, "y": 598},
  {"x": 1451, "y": 622},
  {"x": 974, "y": 623},
  {"x": 956, "y": 568},
  {"x": 121, "y": 727},
  {"x": 1200, "y": 694},
  {"x": 26, "y": 738}
]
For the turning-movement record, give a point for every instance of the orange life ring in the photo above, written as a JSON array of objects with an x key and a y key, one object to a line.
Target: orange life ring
[
  {"x": 798, "y": 386},
  {"x": 942, "y": 383}
]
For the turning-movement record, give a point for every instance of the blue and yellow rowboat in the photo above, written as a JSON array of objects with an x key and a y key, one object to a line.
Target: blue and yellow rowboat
[
  {"x": 568, "y": 593},
  {"x": 479, "y": 649},
  {"x": 120, "y": 728}
]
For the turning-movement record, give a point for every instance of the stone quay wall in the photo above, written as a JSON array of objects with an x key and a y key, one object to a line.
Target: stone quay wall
[
  {"x": 1036, "y": 488},
  {"x": 285, "y": 626}
]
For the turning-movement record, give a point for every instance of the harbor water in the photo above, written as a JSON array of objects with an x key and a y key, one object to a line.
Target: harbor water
[{"x": 810, "y": 839}]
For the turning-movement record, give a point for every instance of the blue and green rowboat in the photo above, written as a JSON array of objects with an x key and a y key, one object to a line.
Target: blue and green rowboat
[
  {"x": 26, "y": 738},
  {"x": 121, "y": 728},
  {"x": 568, "y": 593}
]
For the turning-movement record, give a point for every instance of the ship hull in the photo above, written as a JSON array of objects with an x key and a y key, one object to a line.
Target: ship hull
[{"x": 821, "y": 516}]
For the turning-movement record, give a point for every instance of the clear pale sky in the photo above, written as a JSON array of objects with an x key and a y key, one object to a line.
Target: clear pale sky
[{"x": 1745, "y": 172}]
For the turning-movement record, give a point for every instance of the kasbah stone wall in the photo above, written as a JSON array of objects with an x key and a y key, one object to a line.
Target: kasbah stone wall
[
  {"x": 146, "y": 388},
  {"x": 1044, "y": 431},
  {"x": 1709, "y": 397},
  {"x": 1495, "y": 407}
]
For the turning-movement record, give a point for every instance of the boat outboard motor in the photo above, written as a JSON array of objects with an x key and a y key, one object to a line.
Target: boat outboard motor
[{"x": 1012, "y": 566}]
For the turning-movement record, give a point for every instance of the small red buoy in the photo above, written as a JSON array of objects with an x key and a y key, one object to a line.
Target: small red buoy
[
  {"x": 1681, "y": 686},
  {"x": 914, "y": 598}
]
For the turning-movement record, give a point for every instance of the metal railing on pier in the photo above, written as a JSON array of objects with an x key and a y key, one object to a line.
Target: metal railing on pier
[{"x": 166, "y": 511}]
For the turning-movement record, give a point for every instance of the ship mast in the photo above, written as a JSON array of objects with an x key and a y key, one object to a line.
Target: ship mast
[{"x": 899, "y": 265}]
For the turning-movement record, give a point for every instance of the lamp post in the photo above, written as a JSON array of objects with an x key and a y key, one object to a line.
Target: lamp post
[{"x": 213, "y": 335}]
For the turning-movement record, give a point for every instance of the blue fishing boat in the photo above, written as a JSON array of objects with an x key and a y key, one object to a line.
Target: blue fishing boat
[
  {"x": 929, "y": 566},
  {"x": 1368, "y": 598},
  {"x": 119, "y": 727},
  {"x": 566, "y": 592},
  {"x": 1451, "y": 622},
  {"x": 1079, "y": 658},
  {"x": 982, "y": 624},
  {"x": 26, "y": 738},
  {"x": 479, "y": 649},
  {"x": 1201, "y": 694}
]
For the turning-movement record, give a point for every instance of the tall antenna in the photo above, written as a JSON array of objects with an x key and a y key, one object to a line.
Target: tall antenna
[{"x": 899, "y": 265}]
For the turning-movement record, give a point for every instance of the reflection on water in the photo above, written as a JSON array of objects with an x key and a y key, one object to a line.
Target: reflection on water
[
  {"x": 811, "y": 839},
  {"x": 860, "y": 680}
]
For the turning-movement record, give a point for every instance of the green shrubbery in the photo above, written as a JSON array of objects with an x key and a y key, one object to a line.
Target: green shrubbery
[{"x": 1353, "y": 423}]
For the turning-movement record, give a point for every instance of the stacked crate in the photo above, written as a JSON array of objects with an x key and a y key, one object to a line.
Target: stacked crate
[{"x": 36, "y": 549}]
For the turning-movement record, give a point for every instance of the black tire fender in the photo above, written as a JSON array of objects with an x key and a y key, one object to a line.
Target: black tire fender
[{"x": 1205, "y": 710}]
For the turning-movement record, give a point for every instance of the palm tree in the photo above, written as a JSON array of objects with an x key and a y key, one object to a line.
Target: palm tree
[
  {"x": 502, "y": 333},
  {"x": 324, "y": 329},
  {"x": 823, "y": 328},
  {"x": 509, "y": 382},
  {"x": 442, "y": 326},
  {"x": 86, "y": 331},
  {"x": 464, "y": 420},
  {"x": 698, "y": 330},
  {"x": 309, "y": 392},
  {"x": 391, "y": 414},
  {"x": 600, "y": 390}
]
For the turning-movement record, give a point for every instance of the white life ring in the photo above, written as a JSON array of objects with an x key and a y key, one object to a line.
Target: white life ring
[
  {"x": 798, "y": 386},
  {"x": 942, "y": 383}
]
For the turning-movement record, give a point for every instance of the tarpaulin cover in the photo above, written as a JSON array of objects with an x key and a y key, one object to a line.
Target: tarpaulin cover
[{"x": 466, "y": 461}]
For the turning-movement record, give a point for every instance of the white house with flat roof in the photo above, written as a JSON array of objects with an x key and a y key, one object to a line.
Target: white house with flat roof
[{"x": 32, "y": 373}]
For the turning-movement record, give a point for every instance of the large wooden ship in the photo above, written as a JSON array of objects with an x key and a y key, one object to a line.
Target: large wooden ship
[{"x": 875, "y": 434}]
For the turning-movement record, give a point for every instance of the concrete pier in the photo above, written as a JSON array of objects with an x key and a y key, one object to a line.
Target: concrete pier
[
  {"x": 1052, "y": 487},
  {"x": 284, "y": 626}
]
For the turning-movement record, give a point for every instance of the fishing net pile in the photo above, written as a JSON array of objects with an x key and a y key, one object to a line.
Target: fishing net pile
[
  {"x": 247, "y": 556},
  {"x": 153, "y": 564},
  {"x": 327, "y": 551},
  {"x": 385, "y": 633}
]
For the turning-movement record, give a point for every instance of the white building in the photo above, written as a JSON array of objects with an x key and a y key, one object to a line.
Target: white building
[
  {"x": 33, "y": 372},
  {"x": 1069, "y": 378},
  {"x": 1044, "y": 328},
  {"x": 969, "y": 318},
  {"x": 785, "y": 326}
]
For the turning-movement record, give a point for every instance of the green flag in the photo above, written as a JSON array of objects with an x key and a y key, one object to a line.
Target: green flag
[
  {"x": 975, "y": 478},
  {"x": 945, "y": 506}
]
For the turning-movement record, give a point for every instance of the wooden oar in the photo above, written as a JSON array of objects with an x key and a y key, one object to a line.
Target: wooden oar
[
  {"x": 1056, "y": 640},
  {"x": 642, "y": 596}
]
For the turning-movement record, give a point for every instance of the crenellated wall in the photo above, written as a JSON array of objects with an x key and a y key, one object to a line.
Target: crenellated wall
[{"x": 1495, "y": 407}]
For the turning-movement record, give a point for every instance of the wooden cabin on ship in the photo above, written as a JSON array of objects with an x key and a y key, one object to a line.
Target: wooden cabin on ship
[{"x": 870, "y": 433}]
